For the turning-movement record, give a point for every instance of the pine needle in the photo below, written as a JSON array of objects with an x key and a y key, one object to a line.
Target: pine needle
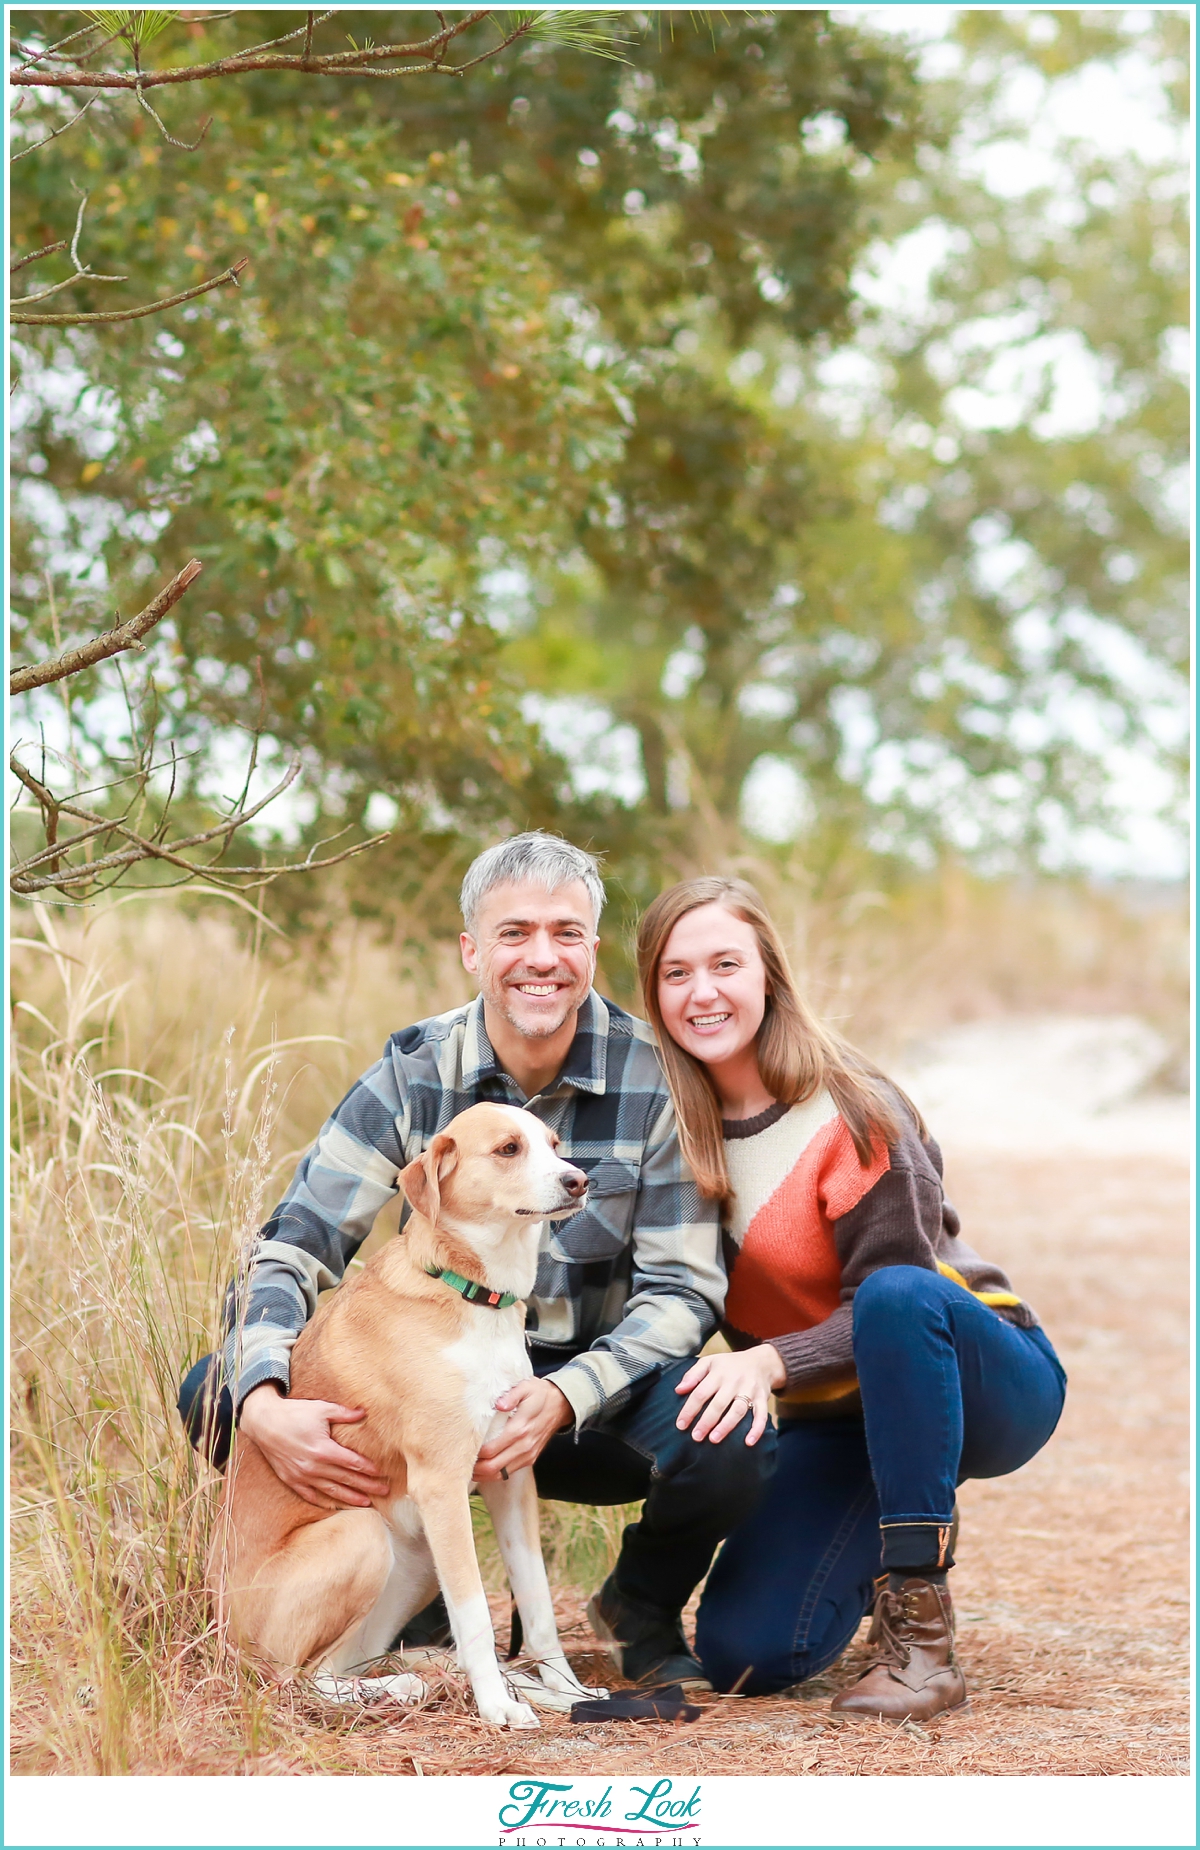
[{"x": 591, "y": 29}]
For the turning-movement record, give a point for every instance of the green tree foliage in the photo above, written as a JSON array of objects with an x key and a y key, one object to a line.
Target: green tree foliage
[
  {"x": 713, "y": 193},
  {"x": 1033, "y": 406},
  {"x": 530, "y": 409},
  {"x": 409, "y": 393},
  {"x": 395, "y": 390},
  {"x": 897, "y": 554}
]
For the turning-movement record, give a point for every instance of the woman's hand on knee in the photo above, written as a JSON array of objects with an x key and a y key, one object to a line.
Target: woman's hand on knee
[
  {"x": 722, "y": 1389},
  {"x": 294, "y": 1438}
]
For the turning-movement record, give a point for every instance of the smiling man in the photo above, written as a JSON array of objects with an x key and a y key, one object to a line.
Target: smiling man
[{"x": 627, "y": 1290}]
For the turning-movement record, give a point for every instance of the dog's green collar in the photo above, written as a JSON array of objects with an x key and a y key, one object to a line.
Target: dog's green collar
[{"x": 474, "y": 1293}]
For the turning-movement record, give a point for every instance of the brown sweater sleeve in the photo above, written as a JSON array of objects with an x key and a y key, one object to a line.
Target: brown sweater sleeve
[
  {"x": 980, "y": 1273},
  {"x": 896, "y": 1223},
  {"x": 904, "y": 1219}
]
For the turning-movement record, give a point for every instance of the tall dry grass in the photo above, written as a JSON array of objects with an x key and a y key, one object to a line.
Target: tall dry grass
[
  {"x": 166, "y": 1074},
  {"x": 167, "y": 1070},
  {"x": 142, "y": 1158}
]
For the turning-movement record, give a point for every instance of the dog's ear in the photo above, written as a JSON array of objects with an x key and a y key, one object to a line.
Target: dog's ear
[{"x": 422, "y": 1180}]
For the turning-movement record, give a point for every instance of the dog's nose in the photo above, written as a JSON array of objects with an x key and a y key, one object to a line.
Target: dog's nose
[{"x": 575, "y": 1183}]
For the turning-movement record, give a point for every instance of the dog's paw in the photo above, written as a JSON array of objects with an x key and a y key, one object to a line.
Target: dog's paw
[
  {"x": 504, "y": 1712},
  {"x": 398, "y": 1688},
  {"x": 552, "y": 1689},
  {"x": 360, "y": 1692},
  {"x": 520, "y": 1715},
  {"x": 557, "y": 1676},
  {"x": 537, "y": 1694}
]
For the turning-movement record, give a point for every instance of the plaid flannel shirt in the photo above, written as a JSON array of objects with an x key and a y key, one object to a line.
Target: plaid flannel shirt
[{"x": 633, "y": 1280}]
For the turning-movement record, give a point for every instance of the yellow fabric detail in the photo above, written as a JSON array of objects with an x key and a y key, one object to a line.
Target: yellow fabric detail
[
  {"x": 822, "y": 1390},
  {"x": 994, "y": 1298}
]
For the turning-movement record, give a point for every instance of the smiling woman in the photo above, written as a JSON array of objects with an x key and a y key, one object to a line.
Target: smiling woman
[
  {"x": 712, "y": 979},
  {"x": 901, "y": 1361}
]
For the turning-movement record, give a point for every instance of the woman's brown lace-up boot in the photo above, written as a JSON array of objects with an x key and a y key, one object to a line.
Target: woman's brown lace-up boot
[{"x": 914, "y": 1674}]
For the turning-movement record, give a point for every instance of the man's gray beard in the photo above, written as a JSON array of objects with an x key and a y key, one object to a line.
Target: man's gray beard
[{"x": 540, "y": 1033}]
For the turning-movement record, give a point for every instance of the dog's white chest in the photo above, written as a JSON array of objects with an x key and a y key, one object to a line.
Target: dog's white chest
[{"x": 491, "y": 1356}]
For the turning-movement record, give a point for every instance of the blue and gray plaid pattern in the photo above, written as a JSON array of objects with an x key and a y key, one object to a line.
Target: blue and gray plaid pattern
[{"x": 633, "y": 1280}]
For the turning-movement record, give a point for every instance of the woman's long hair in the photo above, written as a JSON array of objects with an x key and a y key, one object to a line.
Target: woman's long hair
[{"x": 797, "y": 1054}]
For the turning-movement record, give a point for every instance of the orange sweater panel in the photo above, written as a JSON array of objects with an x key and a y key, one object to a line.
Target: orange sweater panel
[{"x": 787, "y": 1275}]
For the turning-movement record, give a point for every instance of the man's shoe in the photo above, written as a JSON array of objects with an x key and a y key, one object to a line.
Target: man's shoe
[
  {"x": 646, "y": 1643},
  {"x": 428, "y": 1629},
  {"x": 915, "y": 1674}
]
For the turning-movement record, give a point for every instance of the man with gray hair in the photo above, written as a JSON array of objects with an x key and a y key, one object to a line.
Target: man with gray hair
[{"x": 627, "y": 1290}]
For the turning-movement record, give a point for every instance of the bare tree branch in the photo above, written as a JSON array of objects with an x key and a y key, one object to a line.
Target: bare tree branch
[
  {"x": 68, "y": 282},
  {"x": 45, "y": 142},
  {"x": 85, "y": 273},
  {"x": 81, "y": 269},
  {"x": 234, "y": 880},
  {"x": 522, "y": 31},
  {"x": 68, "y": 865},
  {"x": 55, "y": 850},
  {"x": 329, "y": 64},
  {"x": 432, "y": 69},
  {"x": 312, "y": 21},
  {"x": 47, "y": 250},
  {"x": 75, "y": 235},
  {"x": 41, "y": 56},
  {"x": 25, "y": 879},
  {"x": 187, "y": 147},
  {"x": 125, "y": 636},
  {"x": 230, "y": 275}
]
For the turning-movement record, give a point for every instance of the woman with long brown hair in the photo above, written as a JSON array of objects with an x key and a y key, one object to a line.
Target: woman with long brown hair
[{"x": 901, "y": 1361}]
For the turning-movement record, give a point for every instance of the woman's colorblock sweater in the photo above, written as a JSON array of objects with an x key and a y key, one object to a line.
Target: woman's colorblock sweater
[{"x": 808, "y": 1222}]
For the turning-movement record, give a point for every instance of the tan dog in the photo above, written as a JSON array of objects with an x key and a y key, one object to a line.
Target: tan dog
[{"x": 320, "y": 1593}]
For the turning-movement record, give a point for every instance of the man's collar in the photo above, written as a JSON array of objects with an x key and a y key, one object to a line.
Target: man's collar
[
  {"x": 478, "y": 1056},
  {"x": 585, "y": 1067},
  {"x": 586, "y": 1064}
]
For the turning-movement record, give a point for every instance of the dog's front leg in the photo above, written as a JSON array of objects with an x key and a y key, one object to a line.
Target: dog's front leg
[
  {"x": 446, "y": 1512},
  {"x": 513, "y": 1508}
]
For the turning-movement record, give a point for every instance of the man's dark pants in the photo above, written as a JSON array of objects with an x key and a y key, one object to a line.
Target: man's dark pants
[{"x": 694, "y": 1493}]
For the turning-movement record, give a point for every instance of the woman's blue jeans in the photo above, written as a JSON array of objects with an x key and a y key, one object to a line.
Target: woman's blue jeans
[{"x": 950, "y": 1390}]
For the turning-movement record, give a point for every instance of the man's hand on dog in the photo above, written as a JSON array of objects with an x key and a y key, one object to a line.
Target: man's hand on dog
[
  {"x": 536, "y": 1410},
  {"x": 294, "y": 1438}
]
